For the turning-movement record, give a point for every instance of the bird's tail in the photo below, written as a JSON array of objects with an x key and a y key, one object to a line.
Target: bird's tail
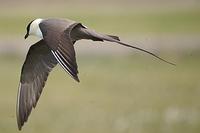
[{"x": 81, "y": 32}]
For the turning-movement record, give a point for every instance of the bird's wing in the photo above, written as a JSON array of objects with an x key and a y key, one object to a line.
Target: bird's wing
[
  {"x": 39, "y": 62},
  {"x": 62, "y": 48}
]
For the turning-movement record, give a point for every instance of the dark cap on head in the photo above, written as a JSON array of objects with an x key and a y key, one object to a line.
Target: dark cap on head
[{"x": 27, "y": 29}]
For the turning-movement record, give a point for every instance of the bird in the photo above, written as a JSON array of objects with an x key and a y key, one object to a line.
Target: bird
[{"x": 56, "y": 46}]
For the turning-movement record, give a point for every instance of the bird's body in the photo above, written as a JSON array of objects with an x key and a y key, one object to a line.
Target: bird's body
[{"x": 55, "y": 47}]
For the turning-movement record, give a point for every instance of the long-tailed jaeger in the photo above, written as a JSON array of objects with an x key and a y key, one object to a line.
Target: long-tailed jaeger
[{"x": 58, "y": 37}]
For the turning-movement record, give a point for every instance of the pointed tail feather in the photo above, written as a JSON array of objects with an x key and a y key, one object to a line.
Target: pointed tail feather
[
  {"x": 81, "y": 32},
  {"x": 117, "y": 40},
  {"x": 140, "y": 49}
]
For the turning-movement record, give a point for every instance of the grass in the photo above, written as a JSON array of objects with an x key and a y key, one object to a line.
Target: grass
[
  {"x": 114, "y": 21},
  {"x": 116, "y": 94}
]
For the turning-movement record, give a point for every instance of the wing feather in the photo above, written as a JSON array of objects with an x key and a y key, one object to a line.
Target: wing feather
[
  {"x": 38, "y": 63},
  {"x": 58, "y": 38}
]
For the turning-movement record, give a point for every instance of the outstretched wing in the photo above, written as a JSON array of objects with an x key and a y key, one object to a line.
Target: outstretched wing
[
  {"x": 39, "y": 62},
  {"x": 59, "y": 40},
  {"x": 65, "y": 55}
]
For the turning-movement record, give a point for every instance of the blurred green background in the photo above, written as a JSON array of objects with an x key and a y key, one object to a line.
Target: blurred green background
[{"x": 121, "y": 90}]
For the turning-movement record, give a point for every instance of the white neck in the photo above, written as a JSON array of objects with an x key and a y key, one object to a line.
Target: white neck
[{"x": 35, "y": 29}]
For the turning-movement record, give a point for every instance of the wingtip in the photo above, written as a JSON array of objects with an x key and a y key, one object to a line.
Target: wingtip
[
  {"x": 77, "y": 79},
  {"x": 19, "y": 124},
  {"x": 19, "y": 127}
]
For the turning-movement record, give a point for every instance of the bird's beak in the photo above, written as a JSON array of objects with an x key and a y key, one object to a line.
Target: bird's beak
[{"x": 26, "y": 36}]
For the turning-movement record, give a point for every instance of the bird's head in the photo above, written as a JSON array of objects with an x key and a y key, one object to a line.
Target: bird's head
[{"x": 33, "y": 28}]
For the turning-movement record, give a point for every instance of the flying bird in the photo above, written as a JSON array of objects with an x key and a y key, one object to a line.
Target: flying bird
[{"x": 56, "y": 46}]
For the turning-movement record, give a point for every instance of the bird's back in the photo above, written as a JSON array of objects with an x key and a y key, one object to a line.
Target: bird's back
[{"x": 55, "y": 26}]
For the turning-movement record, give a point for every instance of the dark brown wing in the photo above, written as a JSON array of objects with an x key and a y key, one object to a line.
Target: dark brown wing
[
  {"x": 59, "y": 40},
  {"x": 39, "y": 62},
  {"x": 65, "y": 55}
]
